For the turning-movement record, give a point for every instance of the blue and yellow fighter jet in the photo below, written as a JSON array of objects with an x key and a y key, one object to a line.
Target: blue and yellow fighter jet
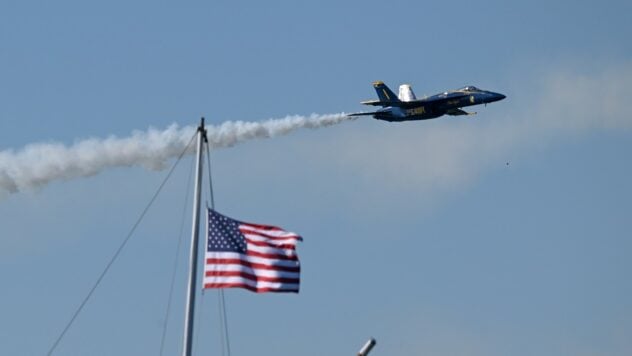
[{"x": 406, "y": 107}]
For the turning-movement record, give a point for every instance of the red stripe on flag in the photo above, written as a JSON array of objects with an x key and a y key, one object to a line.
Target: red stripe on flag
[
  {"x": 250, "y": 288},
  {"x": 271, "y": 244},
  {"x": 236, "y": 261},
  {"x": 250, "y": 277},
  {"x": 272, "y": 256}
]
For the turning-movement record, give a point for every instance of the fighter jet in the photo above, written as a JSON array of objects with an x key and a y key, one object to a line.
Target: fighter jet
[{"x": 406, "y": 107}]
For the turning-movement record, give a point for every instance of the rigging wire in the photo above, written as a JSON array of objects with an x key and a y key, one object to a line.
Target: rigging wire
[
  {"x": 210, "y": 197},
  {"x": 118, "y": 251},
  {"x": 225, "y": 320},
  {"x": 222, "y": 334},
  {"x": 176, "y": 260},
  {"x": 210, "y": 177},
  {"x": 220, "y": 292}
]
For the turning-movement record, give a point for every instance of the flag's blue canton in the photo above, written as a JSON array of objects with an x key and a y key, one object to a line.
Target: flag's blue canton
[{"x": 224, "y": 234}]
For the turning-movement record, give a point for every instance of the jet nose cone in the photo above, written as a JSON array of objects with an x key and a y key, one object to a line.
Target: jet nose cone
[{"x": 496, "y": 97}]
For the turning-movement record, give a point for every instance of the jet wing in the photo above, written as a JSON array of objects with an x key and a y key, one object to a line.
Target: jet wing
[
  {"x": 363, "y": 113},
  {"x": 457, "y": 112}
]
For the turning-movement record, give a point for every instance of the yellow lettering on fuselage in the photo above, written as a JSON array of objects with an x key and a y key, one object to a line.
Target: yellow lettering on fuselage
[{"x": 417, "y": 111}]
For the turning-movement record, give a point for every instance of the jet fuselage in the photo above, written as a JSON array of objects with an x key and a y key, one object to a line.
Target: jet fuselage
[{"x": 446, "y": 103}]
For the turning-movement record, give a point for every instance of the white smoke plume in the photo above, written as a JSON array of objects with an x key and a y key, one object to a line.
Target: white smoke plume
[{"x": 38, "y": 164}]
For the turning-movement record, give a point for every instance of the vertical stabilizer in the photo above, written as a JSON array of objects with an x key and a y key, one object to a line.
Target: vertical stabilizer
[{"x": 384, "y": 93}]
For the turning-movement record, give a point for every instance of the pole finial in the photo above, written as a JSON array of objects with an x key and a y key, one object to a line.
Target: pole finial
[{"x": 202, "y": 129}]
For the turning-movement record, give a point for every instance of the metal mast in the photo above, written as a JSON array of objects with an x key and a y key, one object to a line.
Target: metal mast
[{"x": 187, "y": 348}]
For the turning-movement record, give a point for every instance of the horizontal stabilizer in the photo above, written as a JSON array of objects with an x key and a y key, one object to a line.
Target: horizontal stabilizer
[
  {"x": 376, "y": 102},
  {"x": 401, "y": 104}
]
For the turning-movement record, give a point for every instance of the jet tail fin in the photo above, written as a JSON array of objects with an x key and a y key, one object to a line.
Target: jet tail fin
[{"x": 384, "y": 93}]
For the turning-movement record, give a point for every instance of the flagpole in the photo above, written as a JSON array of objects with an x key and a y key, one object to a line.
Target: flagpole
[{"x": 187, "y": 348}]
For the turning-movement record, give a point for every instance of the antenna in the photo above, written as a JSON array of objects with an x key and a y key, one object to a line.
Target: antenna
[{"x": 364, "y": 351}]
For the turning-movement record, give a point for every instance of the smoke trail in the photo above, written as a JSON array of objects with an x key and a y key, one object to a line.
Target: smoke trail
[{"x": 38, "y": 164}]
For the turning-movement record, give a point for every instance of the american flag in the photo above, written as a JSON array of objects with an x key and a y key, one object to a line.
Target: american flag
[{"x": 260, "y": 258}]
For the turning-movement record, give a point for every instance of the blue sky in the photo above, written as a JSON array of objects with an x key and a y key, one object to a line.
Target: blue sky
[{"x": 505, "y": 233}]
